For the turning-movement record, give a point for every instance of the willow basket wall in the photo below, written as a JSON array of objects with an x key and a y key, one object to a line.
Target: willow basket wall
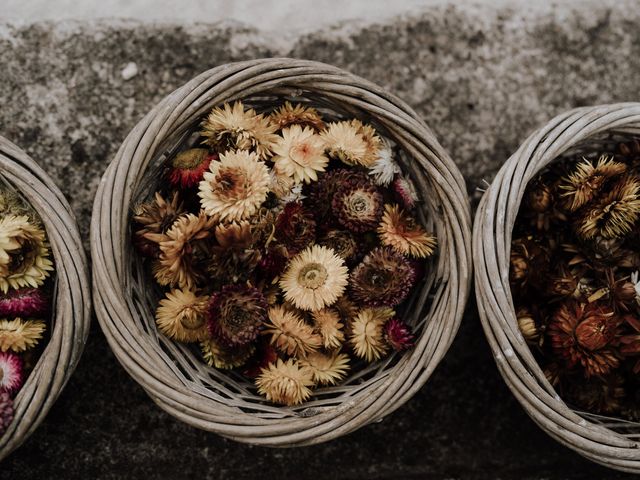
[
  {"x": 172, "y": 374},
  {"x": 608, "y": 441},
  {"x": 71, "y": 301}
]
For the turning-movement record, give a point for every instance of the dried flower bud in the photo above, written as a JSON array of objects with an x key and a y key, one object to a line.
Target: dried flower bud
[{"x": 528, "y": 327}]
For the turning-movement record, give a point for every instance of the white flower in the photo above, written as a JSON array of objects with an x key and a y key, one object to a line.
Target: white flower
[
  {"x": 385, "y": 167},
  {"x": 636, "y": 285}
]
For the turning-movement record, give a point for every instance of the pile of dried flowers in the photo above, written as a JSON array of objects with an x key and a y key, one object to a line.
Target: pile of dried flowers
[
  {"x": 574, "y": 275},
  {"x": 284, "y": 244},
  {"x": 25, "y": 266}
]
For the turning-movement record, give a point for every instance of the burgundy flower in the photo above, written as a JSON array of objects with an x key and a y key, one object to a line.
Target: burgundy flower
[
  {"x": 24, "y": 302},
  {"x": 11, "y": 372},
  {"x": 295, "y": 227},
  {"x": 398, "y": 334},
  {"x": 187, "y": 169},
  {"x": 236, "y": 314},
  {"x": 6, "y": 411},
  {"x": 358, "y": 205}
]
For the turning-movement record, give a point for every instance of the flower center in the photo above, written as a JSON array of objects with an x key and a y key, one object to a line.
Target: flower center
[
  {"x": 231, "y": 183},
  {"x": 22, "y": 259},
  {"x": 312, "y": 275},
  {"x": 300, "y": 153},
  {"x": 190, "y": 319},
  {"x": 190, "y": 159},
  {"x": 358, "y": 204}
]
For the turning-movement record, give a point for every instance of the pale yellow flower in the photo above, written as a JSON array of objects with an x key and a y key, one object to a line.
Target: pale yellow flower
[
  {"x": 326, "y": 369},
  {"x": 367, "y": 333},
  {"x": 181, "y": 315},
  {"x": 286, "y": 383},
  {"x": 19, "y": 335}
]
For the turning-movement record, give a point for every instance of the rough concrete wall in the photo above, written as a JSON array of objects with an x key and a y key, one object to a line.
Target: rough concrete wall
[{"x": 482, "y": 78}]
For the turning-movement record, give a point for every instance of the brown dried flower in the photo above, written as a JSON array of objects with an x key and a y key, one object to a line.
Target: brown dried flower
[
  {"x": 586, "y": 181},
  {"x": 289, "y": 332}
]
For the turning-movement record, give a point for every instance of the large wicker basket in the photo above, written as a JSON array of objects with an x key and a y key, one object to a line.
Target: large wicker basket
[
  {"x": 608, "y": 441},
  {"x": 174, "y": 377},
  {"x": 71, "y": 316}
]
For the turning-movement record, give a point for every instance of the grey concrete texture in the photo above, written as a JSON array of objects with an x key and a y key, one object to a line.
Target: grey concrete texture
[{"x": 482, "y": 79}]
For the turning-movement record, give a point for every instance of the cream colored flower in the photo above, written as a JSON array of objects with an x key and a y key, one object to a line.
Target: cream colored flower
[
  {"x": 235, "y": 186},
  {"x": 367, "y": 333},
  {"x": 234, "y": 128},
  {"x": 401, "y": 232},
  {"x": 327, "y": 369},
  {"x": 352, "y": 142},
  {"x": 289, "y": 333},
  {"x": 19, "y": 335},
  {"x": 286, "y": 383},
  {"x": 315, "y": 278},
  {"x": 181, "y": 315},
  {"x": 24, "y": 254},
  {"x": 300, "y": 154},
  {"x": 328, "y": 325}
]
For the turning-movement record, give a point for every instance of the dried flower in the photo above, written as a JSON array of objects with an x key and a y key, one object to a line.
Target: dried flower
[
  {"x": 539, "y": 197},
  {"x": 187, "y": 168},
  {"x": 11, "y": 372},
  {"x": 398, "y": 334},
  {"x": 286, "y": 383},
  {"x": 282, "y": 185},
  {"x": 235, "y": 186},
  {"x": 345, "y": 142},
  {"x": 314, "y": 279},
  {"x": 528, "y": 326},
  {"x": 18, "y": 335},
  {"x": 357, "y": 205},
  {"x": 6, "y": 411},
  {"x": 299, "y": 153},
  {"x": 327, "y": 324},
  {"x": 385, "y": 168},
  {"x": 181, "y": 315},
  {"x": 400, "y": 231},
  {"x": 529, "y": 262},
  {"x": 615, "y": 215},
  {"x": 321, "y": 193},
  {"x": 342, "y": 242},
  {"x": 581, "y": 334},
  {"x": 265, "y": 355},
  {"x": 289, "y": 333},
  {"x": 586, "y": 181},
  {"x": 636, "y": 285},
  {"x": 183, "y": 251},
  {"x": 405, "y": 192},
  {"x": 155, "y": 218},
  {"x": 295, "y": 227},
  {"x": 218, "y": 355},
  {"x": 24, "y": 253},
  {"x": 236, "y": 314},
  {"x": 236, "y": 255},
  {"x": 597, "y": 394},
  {"x": 326, "y": 368},
  {"x": 383, "y": 278},
  {"x": 234, "y": 128},
  {"x": 24, "y": 302},
  {"x": 298, "y": 114},
  {"x": 367, "y": 333}
]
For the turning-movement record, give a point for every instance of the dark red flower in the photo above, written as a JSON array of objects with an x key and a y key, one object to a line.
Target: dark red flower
[
  {"x": 24, "y": 302},
  {"x": 236, "y": 314},
  {"x": 187, "y": 168},
  {"x": 398, "y": 334},
  {"x": 265, "y": 354},
  {"x": 358, "y": 205},
  {"x": 6, "y": 411},
  {"x": 295, "y": 227}
]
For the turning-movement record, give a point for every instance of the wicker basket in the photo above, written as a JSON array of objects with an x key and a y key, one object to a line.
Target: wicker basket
[
  {"x": 173, "y": 375},
  {"x": 71, "y": 316},
  {"x": 604, "y": 440}
]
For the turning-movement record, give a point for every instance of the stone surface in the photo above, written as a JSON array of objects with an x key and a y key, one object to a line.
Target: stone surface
[{"x": 482, "y": 78}]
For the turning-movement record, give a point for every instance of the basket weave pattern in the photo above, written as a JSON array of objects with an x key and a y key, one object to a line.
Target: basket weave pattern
[
  {"x": 172, "y": 374},
  {"x": 71, "y": 316},
  {"x": 608, "y": 441}
]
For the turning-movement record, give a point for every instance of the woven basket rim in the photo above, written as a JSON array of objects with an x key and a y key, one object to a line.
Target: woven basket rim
[
  {"x": 163, "y": 126},
  {"x": 72, "y": 310},
  {"x": 493, "y": 226}
]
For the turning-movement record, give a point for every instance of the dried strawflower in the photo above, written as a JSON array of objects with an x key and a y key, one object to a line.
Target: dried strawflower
[
  {"x": 528, "y": 326},
  {"x": 24, "y": 302},
  {"x": 18, "y": 335},
  {"x": 539, "y": 197},
  {"x": 615, "y": 214},
  {"x": 344, "y": 141},
  {"x": 235, "y": 256},
  {"x": 217, "y": 354},
  {"x": 586, "y": 181},
  {"x": 155, "y": 218},
  {"x": 289, "y": 332},
  {"x": 183, "y": 251},
  {"x": 383, "y": 278},
  {"x": 315, "y": 278},
  {"x": 401, "y": 232},
  {"x": 295, "y": 227},
  {"x": 367, "y": 333},
  {"x": 529, "y": 262},
  {"x": 357, "y": 204},
  {"x": 187, "y": 168},
  {"x": 234, "y": 128},
  {"x": 299, "y": 153},
  {"x": 24, "y": 253},
  {"x": 287, "y": 115},
  {"x": 327, "y": 323},
  {"x": 581, "y": 334},
  {"x": 282, "y": 185},
  {"x": 6, "y": 411},
  {"x": 235, "y": 186},
  {"x": 601, "y": 394},
  {"x": 405, "y": 192},
  {"x": 11, "y": 372},
  {"x": 342, "y": 242},
  {"x": 181, "y": 315},
  {"x": 326, "y": 368},
  {"x": 372, "y": 141},
  {"x": 236, "y": 314},
  {"x": 321, "y": 193},
  {"x": 273, "y": 262},
  {"x": 285, "y": 382},
  {"x": 398, "y": 334},
  {"x": 385, "y": 168}
]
